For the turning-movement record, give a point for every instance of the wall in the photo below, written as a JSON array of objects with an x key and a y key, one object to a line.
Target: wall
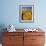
[{"x": 9, "y": 10}]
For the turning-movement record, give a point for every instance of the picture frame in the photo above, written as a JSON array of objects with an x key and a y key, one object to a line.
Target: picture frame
[{"x": 26, "y": 13}]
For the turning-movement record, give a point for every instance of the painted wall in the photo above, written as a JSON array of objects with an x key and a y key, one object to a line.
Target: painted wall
[{"x": 9, "y": 13}]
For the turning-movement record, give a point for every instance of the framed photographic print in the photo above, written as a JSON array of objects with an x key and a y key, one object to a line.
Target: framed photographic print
[{"x": 26, "y": 13}]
